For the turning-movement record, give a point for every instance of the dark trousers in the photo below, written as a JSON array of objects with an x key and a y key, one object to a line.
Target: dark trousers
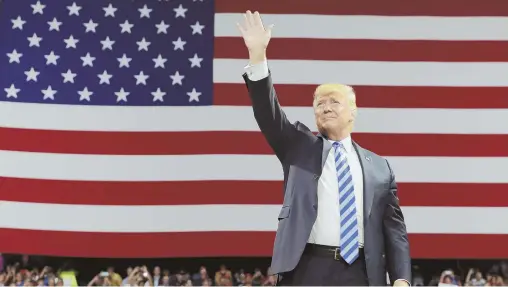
[{"x": 320, "y": 266}]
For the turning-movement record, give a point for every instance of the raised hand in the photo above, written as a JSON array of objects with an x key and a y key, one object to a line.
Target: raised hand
[{"x": 255, "y": 35}]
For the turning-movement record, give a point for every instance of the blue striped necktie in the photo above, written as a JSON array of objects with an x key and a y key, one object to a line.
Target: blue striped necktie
[{"x": 349, "y": 244}]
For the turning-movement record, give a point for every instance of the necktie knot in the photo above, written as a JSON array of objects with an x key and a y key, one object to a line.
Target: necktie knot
[{"x": 337, "y": 145}]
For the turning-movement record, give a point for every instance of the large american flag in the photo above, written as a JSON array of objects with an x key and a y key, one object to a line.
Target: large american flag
[{"x": 126, "y": 130}]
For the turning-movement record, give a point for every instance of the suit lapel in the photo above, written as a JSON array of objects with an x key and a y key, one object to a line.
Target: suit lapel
[
  {"x": 367, "y": 169},
  {"x": 327, "y": 146}
]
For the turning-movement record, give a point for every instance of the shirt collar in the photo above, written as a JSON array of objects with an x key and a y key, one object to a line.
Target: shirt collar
[{"x": 347, "y": 143}]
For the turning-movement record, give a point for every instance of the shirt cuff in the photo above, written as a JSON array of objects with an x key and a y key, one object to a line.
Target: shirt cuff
[
  {"x": 408, "y": 283},
  {"x": 257, "y": 71}
]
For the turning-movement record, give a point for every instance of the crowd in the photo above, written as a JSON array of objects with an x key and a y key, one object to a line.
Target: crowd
[
  {"x": 141, "y": 276},
  {"x": 20, "y": 274},
  {"x": 473, "y": 278},
  {"x": 15, "y": 275}
]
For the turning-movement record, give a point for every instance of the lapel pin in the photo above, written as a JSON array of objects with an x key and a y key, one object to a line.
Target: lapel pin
[{"x": 367, "y": 158}]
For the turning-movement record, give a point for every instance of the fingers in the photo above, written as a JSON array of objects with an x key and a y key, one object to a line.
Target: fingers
[
  {"x": 241, "y": 28},
  {"x": 257, "y": 19},
  {"x": 250, "y": 18},
  {"x": 269, "y": 28}
]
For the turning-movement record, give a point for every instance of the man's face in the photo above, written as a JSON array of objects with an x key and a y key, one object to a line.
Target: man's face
[{"x": 333, "y": 112}]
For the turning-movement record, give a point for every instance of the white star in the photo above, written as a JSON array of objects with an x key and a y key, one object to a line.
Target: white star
[
  {"x": 197, "y": 28},
  {"x": 38, "y": 7},
  {"x": 141, "y": 78},
  {"x": 34, "y": 40},
  {"x": 194, "y": 95},
  {"x": 18, "y": 23},
  {"x": 121, "y": 95},
  {"x": 31, "y": 75},
  {"x": 74, "y": 9},
  {"x": 14, "y": 56},
  {"x": 104, "y": 77},
  {"x": 179, "y": 44},
  {"x": 126, "y": 27},
  {"x": 107, "y": 44},
  {"x": 71, "y": 42},
  {"x": 88, "y": 60},
  {"x": 180, "y": 11},
  {"x": 177, "y": 78},
  {"x": 195, "y": 61},
  {"x": 85, "y": 94},
  {"x": 12, "y": 91},
  {"x": 110, "y": 11},
  {"x": 51, "y": 58},
  {"x": 49, "y": 93},
  {"x": 159, "y": 61},
  {"x": 158, "y": 95},
  {"x": 145, "y": 12},
  {"x": 90, "y": 26},
  {"x": 124, "y": 61},
  {"x": 54, "y": 25},
  {"x": 162, "y": 28},
  {"x": 143, "y": 44},
  {"x": 68, "y": 76}
]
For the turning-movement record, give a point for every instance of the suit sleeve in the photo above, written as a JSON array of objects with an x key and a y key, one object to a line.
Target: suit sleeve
[
  {"x": 396, "y": 240},
  {"x": 270, "y": 117}
]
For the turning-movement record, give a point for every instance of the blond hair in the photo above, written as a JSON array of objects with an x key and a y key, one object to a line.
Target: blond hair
[{"x": 346, "y": 90}]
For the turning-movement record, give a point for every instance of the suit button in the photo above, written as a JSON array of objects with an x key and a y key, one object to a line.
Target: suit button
[{"x": 314, "y": 206}]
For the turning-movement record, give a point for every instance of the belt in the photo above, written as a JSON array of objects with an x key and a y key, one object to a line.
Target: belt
[{"x": 326, "y": 251}]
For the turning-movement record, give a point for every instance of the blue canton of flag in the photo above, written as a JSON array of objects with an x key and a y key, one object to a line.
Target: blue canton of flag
[{"x": 136, "y": 53}]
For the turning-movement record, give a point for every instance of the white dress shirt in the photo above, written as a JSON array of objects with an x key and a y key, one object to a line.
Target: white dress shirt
[{"x": 326, "y": 229}]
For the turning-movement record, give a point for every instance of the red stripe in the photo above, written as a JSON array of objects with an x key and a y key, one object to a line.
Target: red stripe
[
  {"x": 219, "y": 244},
  {"x": 227, "y": 192},
  {"x": 367, "y": 7},
  {"x": 160, "y": 143},
  {"x": 378, "y": 96},
  {"x": 370, "y": 50}
]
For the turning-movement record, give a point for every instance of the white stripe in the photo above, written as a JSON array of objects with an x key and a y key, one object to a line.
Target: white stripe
[
  {"x": 372, "y": 27},
  {"x": 221, "y": 218},
  {"x": 346, "y": 238},
  {"x": 345, "y": 202},
  {"x": 372, "y": 73},
  {"x": 347, "y": 212},
  {"x": 226, "y": 118},
  {"x": 229, "y": 167},
  {"x": 351, "y": 221},
  {"x": 348, "y": 186}
]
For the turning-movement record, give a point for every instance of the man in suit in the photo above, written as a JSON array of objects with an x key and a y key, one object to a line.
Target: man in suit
[{"x": 340, "y": 223}]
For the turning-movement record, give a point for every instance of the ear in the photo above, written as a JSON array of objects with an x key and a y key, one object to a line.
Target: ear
[{"x": 353, "y": 114}]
